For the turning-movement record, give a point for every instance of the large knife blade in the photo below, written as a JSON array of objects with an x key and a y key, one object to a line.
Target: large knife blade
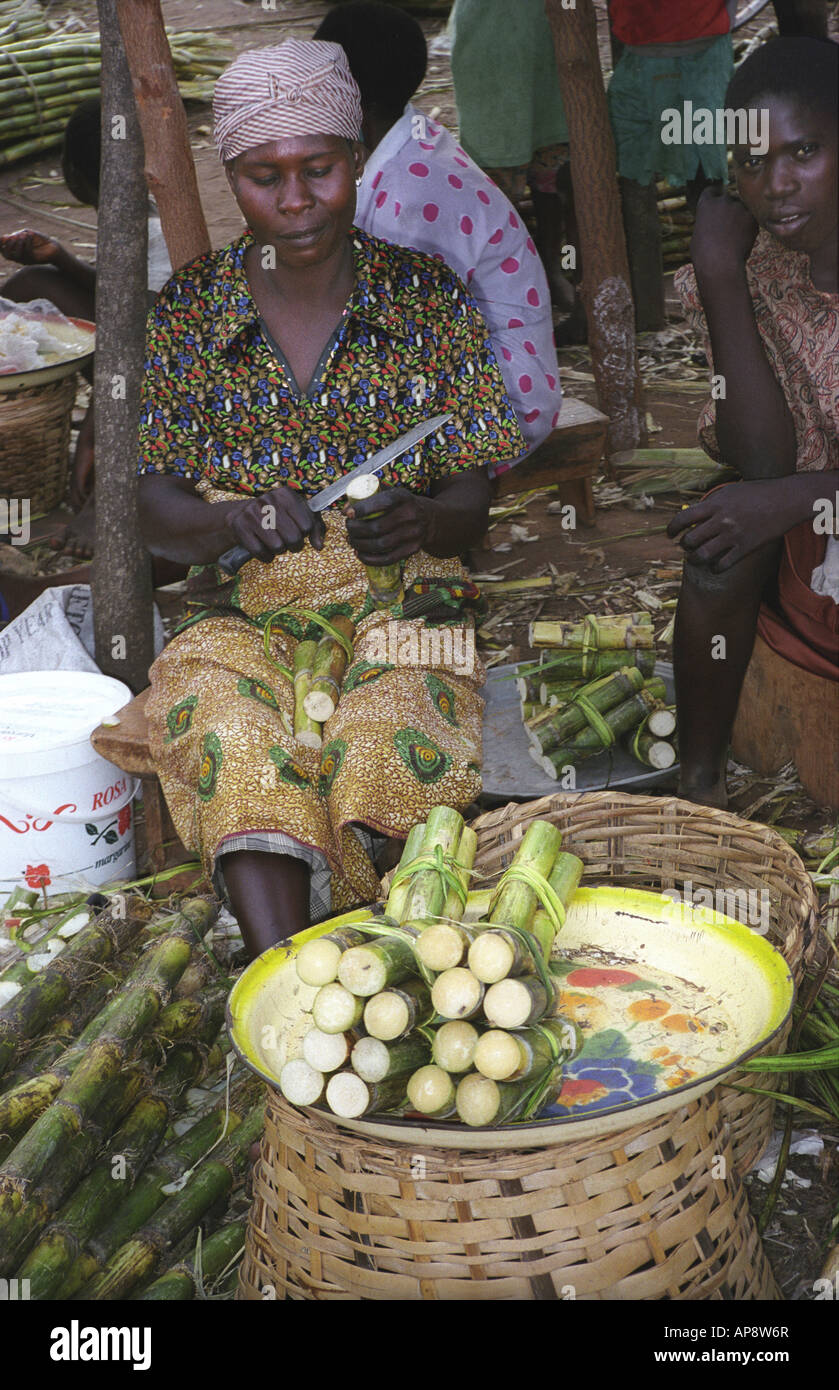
[{"x": 233, "y": 560}]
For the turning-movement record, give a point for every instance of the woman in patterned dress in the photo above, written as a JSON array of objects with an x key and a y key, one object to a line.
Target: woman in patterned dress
[
  {"x": 763, "y": 292},
  {"x": 274, "y": 366}
]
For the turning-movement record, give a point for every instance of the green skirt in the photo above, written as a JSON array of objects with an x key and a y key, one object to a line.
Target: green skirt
[{"x": 642, "y": 87}]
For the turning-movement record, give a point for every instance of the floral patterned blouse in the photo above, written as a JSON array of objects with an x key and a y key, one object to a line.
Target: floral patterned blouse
[
  {"x": 221, "y": 406},
  {"x": 799, "y": 327}
]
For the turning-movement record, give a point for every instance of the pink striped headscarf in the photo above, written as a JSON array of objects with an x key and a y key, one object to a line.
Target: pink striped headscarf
[{"x": 300, "y": 87}]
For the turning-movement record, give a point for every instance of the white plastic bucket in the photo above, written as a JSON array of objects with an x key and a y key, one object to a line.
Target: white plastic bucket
[{"x": 66, "y": 815}]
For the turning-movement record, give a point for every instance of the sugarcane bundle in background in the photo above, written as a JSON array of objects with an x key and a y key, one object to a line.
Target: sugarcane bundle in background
[
  {"x": 604, "y": 633},
  {"x": 116, "y": 1087},
  {"x": 46, "y": 71},
  {"x": 612, "y": 724},
  {"x": 402, "y": 1023}
]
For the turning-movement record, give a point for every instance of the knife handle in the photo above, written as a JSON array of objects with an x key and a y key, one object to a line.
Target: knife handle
[{"x": 233, "y": 560}]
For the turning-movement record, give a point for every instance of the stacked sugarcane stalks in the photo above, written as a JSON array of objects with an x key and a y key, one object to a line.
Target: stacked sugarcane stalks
[
  {"x": 45, "y": 71},
  {"x": 445, "y": 1008},
  {"x": 677, "y": 223},
  {"x": 594, "y": 686},
  {"x": 105, "y": 1181},
  {"x": 319, "y": 668}
]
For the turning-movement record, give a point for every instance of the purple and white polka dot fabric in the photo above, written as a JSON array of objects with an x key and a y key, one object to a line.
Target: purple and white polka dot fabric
[{"x": 421, "y": 190}]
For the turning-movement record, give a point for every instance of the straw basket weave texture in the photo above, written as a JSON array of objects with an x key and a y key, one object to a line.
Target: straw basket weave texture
[
  {"x": 35, "y": 442},
  {"x": 654, "y": 1212},
  {"x": 664, "y": 843}
]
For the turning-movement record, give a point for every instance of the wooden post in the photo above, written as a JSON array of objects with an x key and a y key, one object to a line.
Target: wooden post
[
  {"x": 122, "y": 592},
  {"x": 170, "y": 170},
  {"x": 605, "y": 284}
]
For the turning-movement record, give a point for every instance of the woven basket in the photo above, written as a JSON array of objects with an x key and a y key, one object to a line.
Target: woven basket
[
  {"x": 660, "y": 843},
  {"x": 655, "y": 1212},
  {"x": 35, "y": 442}
]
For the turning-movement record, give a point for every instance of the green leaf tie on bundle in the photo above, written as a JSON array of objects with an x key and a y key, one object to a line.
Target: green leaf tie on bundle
[
  {"x": 445, "y": 864},
  {"x": 595, "y": 719}
]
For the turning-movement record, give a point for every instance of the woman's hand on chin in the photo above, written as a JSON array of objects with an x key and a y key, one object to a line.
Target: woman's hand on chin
[
  {"x": 275, "y": 522},
  {"x": 391, "y": 525}
]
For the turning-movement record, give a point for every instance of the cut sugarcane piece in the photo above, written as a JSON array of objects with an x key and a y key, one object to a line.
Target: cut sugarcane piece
[
  {"x": 464, "y": 857},
  {"x": 328, "y": 667},
  {"x": 300, "y": 1083},
  {"x": 481, "y": 1102},
  {"x": 454, "y": 1046},
  {"x": 457, "y": 994},
  {"x": 607, "y": 632},
  {"x": 505, "y": 1056},
  {"x": 494, "y": 954},
  {"x": 517, "y": 1003},
  {"x": 317, "y": 961},
  {"x": 590, "y": 701},
  {"x": 396, "y": 1011},
  {"x": 516, "y": 901},
  {"x": 558, "y": 692},
  {"x": 386, "y": 960},
  {"x": 327, "y": 1051},
  {"x": 477, "y": 905},
  {"x": 587, "y": 663},
  {"x": 396, "y": 898},
  {"x": 431, "y": 1091},
  {"x": 376, "y": 1061},
  {"x": 443, "y": 945},
  {"x": 651, "y": 751},
  {"x": 385, "y": 581},
  {"x": 662, "y": 722},
  {"x": 428, "y": 887},
  {"x": 620, "y": 720},
  {"x": 350, "y": 1097},
  {"x": 336, "y": 1010},
  {"x": 306, "y": 730}
]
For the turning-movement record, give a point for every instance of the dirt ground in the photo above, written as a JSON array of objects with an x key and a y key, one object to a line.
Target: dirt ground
[{"x": 602, "y": 570}]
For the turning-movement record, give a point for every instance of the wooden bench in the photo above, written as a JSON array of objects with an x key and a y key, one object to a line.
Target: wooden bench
[
  {"x": 569, "y": 459},
  {"x": 788, "y": 715},
  {"x": 126, "y": 744}
]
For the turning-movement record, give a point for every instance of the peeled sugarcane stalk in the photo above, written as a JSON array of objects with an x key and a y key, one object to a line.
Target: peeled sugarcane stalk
[
  {"x": 518, "y": 1002},
  {"x": 394, "y": 1012},
  {"x": 443, "y": 945},
  {"x": 522, "y": 1056},
  {"x": 328, "y": 667},
  {"x": 301, "y": 1083},
  {"x": 396, "y": 898},
  {"x": 385, "y": 581},
  {"x": 482, "y": 1102},
  {"x": 350, "y": 1097},
  {"x": 376, "y": 1061},
  {"x": 464, "y": 858},
  {"x": 306, "y": 730},
  {"x": 620, "y": 720},
  {"x": 100, "y": 1193},
  {"x": 368, "y": 969},
  {"x": 327, "y": 1051},
  {"x": 429, "y": 889},
  {"x": 599, "y": 695},
  {"x": 496, "y": 952},
  {"x": 104, "y": 1225},
  {"x": 336, "y": 1010},
  {"x": 453, "y": 1048},
  {"x": 65, "y": 1119},
  {"x": 183, "y": 1281},
  {"x": 136, "y": 1262},
  {"x": 516, "y": 901},
  {"x": 431, "y": 1092},
  {"x": 457, "y": 994},
  {"x": 651, "y": 751},
  {"x": 559, "y": 667},
  {"x": 47, "y": 992},
  {"x": 604, "y": 632},
  {"x": 477, "y": 905}
]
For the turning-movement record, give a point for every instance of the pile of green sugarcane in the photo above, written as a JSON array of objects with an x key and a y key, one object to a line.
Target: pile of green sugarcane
[
  {"x": 444, "y": 1006},
  {"x": 106, "y": 1184},
  {"x": 593, "y": 685},
  {"x": 45, "y": 71}
]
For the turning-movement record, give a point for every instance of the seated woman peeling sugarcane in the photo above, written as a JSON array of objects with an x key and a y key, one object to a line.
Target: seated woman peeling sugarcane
[{"x": 275, "y": 366}]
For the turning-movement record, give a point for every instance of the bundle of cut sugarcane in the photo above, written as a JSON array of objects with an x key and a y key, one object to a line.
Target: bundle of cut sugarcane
[
  {"x": 329, "y": 662},
  {"x": 384, "y": 581},
  {"x": 45, "y": 73},
  {"x": 616, "y": 722},
  {"x": 655, "y": 742},
  {"x": 604, "y": 633},
  {"x": 400, "y": 1019},
  {"x": 102, "y": 1053},
  {"x": 307, "y": 730}
]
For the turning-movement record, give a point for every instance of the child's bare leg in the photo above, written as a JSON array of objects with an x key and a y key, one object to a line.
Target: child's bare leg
[{"x": 716, "y": 621}]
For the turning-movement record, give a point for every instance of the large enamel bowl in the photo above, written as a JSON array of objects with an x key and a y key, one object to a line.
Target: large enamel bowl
[{"x": 734, "y": 980}]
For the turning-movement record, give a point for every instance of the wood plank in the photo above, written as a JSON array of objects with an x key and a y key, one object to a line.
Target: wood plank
[{"x": 127, "y": 744}]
